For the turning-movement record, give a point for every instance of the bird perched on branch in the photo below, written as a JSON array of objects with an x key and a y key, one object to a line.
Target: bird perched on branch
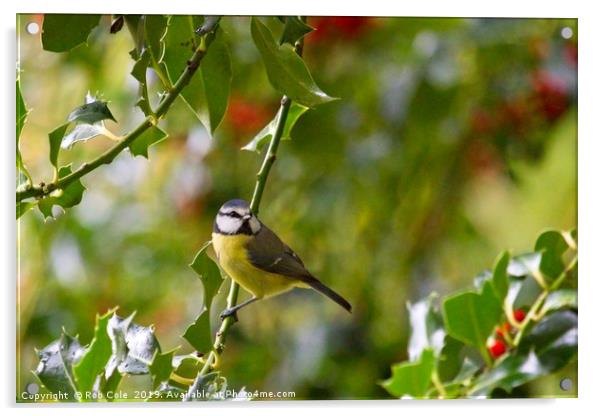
[{"x": 254, "y": 256}]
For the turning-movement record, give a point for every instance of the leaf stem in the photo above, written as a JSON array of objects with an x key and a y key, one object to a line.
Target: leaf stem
[{"x": 108, "y": 156}]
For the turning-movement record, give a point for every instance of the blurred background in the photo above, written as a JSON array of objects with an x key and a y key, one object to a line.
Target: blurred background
[{"x": 453, "y": 139}]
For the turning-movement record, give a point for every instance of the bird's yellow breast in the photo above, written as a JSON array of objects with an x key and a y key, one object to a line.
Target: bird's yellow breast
[{"x": 232, "y": 257}]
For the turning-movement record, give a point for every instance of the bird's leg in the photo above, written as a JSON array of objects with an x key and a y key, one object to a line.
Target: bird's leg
[{"x": 232, "y": 311}]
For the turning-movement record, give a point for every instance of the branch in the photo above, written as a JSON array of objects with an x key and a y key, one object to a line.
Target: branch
[
  {"x": 108, "y": 156},
  {"x": 262, "y": 176}
]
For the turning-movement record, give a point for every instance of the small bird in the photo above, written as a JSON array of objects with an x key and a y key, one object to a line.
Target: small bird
[{"x": 257, "y": 259}]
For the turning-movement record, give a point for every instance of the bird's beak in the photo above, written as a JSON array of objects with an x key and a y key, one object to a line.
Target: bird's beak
[{"x": 246, "y": 218}]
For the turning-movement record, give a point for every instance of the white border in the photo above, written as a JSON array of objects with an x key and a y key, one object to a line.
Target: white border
[{"x": 590, "y": 208}]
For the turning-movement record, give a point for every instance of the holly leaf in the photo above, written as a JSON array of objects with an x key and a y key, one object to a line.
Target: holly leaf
[
  {"x": 161, "y": 367},
  {"x": 206, "y": 95},
  {"x": 155, "y": 28},
  {"x": 21, "y": 112},
  {"x": 55, "y": 139},
  {"x": 202, "y": 388},
  {"x": 411, "y": 379},
  {"x": 198, "y": 334},
  {"x": 91, "y": 112},
  {"x": 133, "y": 346},
  {"x": 552, "y": 246},
  {"x": 56, "y": 363},
  {"x": 470, "y": 316},
  {"x": 559, "y": 299},
  {"x": 294, "y": 29},
  {"x": 68, "y": 197},
  {"x": 139, "y": 73},
  {"x": 266, "y": 134},
  {"x": 524, "y": 264},
  {"x": 95, "y": 357},
  {"x": 151, "y": 136},
  {"x": 62, "y": 32},
  {"x": 509, "y": 373},
  {"x": 285, "y": 69},
  {"x": 208, "y": 273},
  {"x": 553, "y": 339}
]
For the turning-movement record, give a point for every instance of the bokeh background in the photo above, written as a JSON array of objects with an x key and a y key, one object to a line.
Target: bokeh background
[{"x": 453, "y": 139}]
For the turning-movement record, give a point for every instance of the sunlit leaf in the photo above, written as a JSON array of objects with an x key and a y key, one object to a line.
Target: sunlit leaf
[
  {"x": 65, "y": 198},
  {"x": 208, "y": 273},
  {"x": 198, "y": 334},
  {"x": 55, "y": 139},
  {"x": 95, "y": 357},
  {"x": 286, "y": 70},
  {"x": 470, "y": 317},
  {"x": 151, "y": 136},
  {"x": 61, "y": 32},
  {"x": 426, "y": 328},
  {"x": 55, "y": 367},
  {"x": 559, "y": 299},
  {"x": 24, "y": 206},
  {"x": 411, "y": 378},
  {"x": 161, "y": 367},
  {"x": 552, "y": 245},
  {"x": 83, "y": 132}
]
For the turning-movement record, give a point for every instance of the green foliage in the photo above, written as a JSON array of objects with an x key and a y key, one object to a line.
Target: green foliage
[
  {"x": 68, "y": 197},
  {"x": 62, "y": 32},
  {"x": 55, "y": 137},
  {"x": 21, "y": 113},
  {"x": 294, "y": 30},
  {"x": 286, "y": 70},
  {"x": 56, "y": 363},
  {"x": 266, "y": 134},
  {"x": 543, "y": 342},
  {"x": 198, "y": 334},
  {"x": 150, "y": 137}
]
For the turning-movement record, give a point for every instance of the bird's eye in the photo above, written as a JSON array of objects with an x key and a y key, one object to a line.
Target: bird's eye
[{"x": 234, "y": 214}]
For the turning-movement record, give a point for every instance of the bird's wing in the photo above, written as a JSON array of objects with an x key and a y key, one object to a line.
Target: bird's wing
[{"x": 267, "y": 252}]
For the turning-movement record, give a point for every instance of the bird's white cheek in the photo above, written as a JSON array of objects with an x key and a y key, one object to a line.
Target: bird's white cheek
[{"x": 228, "y": 225}]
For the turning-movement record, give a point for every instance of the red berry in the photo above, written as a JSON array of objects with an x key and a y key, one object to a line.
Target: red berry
[
  {"x": 496, "y": 348},
  {"x": 505, "y": 329},
  {"x": 519, "y": 315}
]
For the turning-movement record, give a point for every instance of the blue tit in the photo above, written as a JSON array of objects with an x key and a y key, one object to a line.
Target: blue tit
[{"x": 254, "y": 256}]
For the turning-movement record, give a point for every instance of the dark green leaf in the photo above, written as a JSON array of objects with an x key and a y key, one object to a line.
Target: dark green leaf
[
  {"x": 216, "y": 71},
  {"x": 470, "y": 317},
  {"x": 266, "y": 134},
  {"x": 198, "y": 334},
  {"x": 110, "y": 384},
  {"x": 96, "y": 356},
  {"x": 511, "y": 372},
  {"x": 294, "y": 29},
  {"x": 61, "y": 32},
  {"x": 411, "y": 378},
  {"x": 552, "y": 245},
  {"x": 187, "y": 366},
  {"x": 208, "y": 273},
  {"x": 207, "y": 94},
  {"x": 426, "y": 328},
  {"x": 560, "y": 299},
  {"x": 500, "y": 276},
  {"x": 151, "y": 136},
  {"x": 82, "y": 132},
  {"x": 554, "y": 340},
  {"x": 161, "y": 367},
  {"x": 286, "y": 70},
  {"x": 66, "y": 198},
  {"x": 133, "y": 346},
  {"x": 55, "y": 138},
  {"x": 91, "y": 112},
  {"x": 23, "y": 207},
  {"x": 450, "y": 359},
  {"x": 55, "y": 367},
  {"x": 139, "y": 73},
  {"x": 21, "y": 111}
]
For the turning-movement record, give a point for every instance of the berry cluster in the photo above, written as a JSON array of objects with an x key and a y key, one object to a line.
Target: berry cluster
[{"x": 497, "y": 345}]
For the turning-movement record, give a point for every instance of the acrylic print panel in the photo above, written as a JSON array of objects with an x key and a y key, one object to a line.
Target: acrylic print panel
[{"x": 424, "y": 169}]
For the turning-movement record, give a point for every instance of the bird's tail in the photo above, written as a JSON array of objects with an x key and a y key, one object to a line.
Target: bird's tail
[{"x": 322, "y": 288}]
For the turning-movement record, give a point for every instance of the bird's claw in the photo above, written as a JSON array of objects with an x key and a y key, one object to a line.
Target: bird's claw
[{"x": 229, "y": 312}]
